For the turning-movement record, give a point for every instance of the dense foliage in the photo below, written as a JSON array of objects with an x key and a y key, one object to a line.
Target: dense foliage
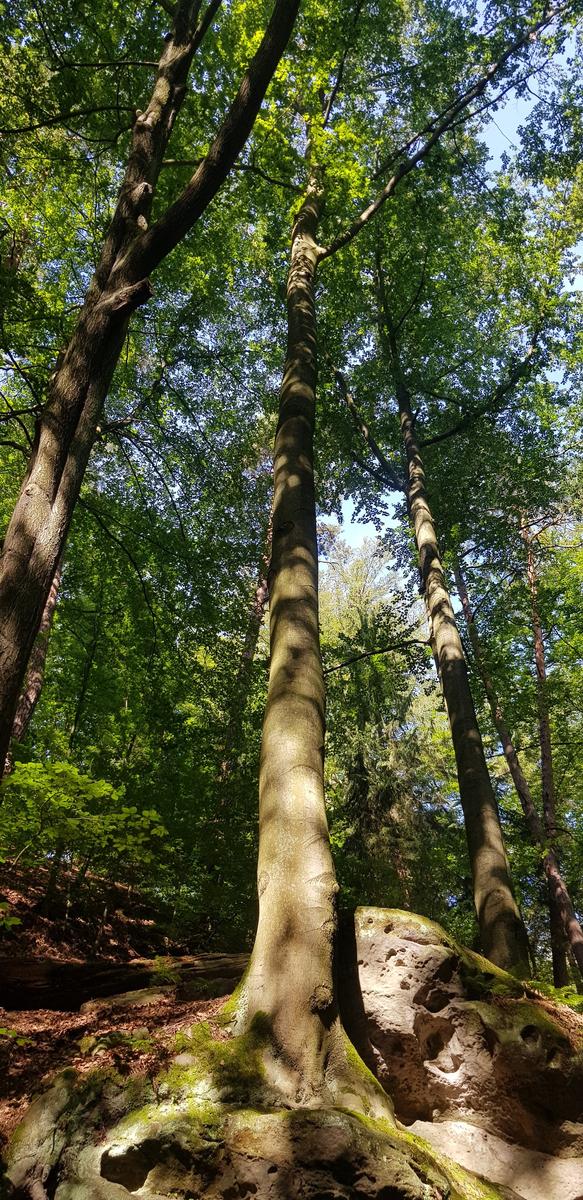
[{"x": 141, "y": 760}]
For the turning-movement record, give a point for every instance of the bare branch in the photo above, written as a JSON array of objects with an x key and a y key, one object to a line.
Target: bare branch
[
  {"x": 491, "y": 407},
  {"x": 407, "y": 645},
  {"x": 416, "y": 297},
  {"x": 340, "y": 72},
  {"x": 389, "y": 474},
  {"x": 436, "y": 128},
  {"x": 119, "y": 542}
]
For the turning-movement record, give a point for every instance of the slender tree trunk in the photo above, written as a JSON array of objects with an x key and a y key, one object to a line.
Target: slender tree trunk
[
  {"x": 503, "y": 935},
  {"x": 558, "y": 940},
  {"x": 561, "y": 911},
  {"x": 36, "y": 671},
  {"x": 66, "y": 431},
  {"x": 289, "y": 984},
  {"x": 87, "y": 666},
  {"x": 243, "y": 679},
  {"x": 48, "y": 902}
]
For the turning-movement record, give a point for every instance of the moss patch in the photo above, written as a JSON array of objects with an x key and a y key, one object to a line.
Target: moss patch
[
  {"x": 464, "y": 1184},
  {"x": 234, "y": 1068}
]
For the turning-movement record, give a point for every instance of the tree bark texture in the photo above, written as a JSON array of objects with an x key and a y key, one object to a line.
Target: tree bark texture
[
  {"x": 558, "y": 927},
  {"x": 35, "y": 674},
  {"x": 561, "y": 911},
  {"x": 243, "y": 679},
  {"x": 66, "y": 431},
  {"x": 290, "y": 978},
  {"x": 503, "y": 935}
]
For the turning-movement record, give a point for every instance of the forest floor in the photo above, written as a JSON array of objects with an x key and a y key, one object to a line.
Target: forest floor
[
  {"x": 111, "y": 920},
  {"x": 112, "y": 925},
  {"x": 43, "y": 1041}
]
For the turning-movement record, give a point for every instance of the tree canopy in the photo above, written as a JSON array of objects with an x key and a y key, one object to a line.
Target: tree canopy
[{"x": 157, "y": 162}]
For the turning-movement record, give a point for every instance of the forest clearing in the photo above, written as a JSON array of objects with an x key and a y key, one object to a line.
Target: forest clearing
[{"x": 291, "y": 600}]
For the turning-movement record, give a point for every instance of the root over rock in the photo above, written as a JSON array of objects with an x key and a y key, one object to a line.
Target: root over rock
[{"x": 181, "y": 1150}]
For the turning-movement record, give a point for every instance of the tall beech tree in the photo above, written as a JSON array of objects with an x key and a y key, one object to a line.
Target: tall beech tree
[
  {"x": 562, "y": 927},
  {"x": 502, "y": 932},
  {"x": 309, "y": 1057},
  {"x": 305, "y": 1051},
  {"x": 132, "y": 250},
  {"x": 562, "y": 913}
]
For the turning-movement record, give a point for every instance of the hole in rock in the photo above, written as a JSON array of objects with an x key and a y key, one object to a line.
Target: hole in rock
[
  {"x": 447, "y": 968},
  {"x": 436, "y": 1042},
  {"x": 129, "y": 1168},
  {"x": 491, "y": 1038},
  {"x": 435, "y": 1000},
  {"x": 530, "y": 1035}
]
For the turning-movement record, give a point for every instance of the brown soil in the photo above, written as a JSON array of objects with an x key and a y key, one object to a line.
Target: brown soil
[
  {"x": 108, "y": 923},
  {"x": 41, "y": 1042},
  {"x": 108, "y": 920}
]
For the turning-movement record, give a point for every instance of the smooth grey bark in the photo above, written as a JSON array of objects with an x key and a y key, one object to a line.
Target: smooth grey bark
[
  {"x": 66, "y": 430},
  {"x": 561, "y": 911}
]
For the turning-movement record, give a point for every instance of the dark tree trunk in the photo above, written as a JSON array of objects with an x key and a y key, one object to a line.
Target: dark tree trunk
[
  {"x": 558, "y": 940},
  {"x": 35, "y": 674},
  {"x": 503, "y": 935},
  {"x": 66, "y": 431},
  {"x": 244, "y": 672},
  {"x": 561, "y": 912}
]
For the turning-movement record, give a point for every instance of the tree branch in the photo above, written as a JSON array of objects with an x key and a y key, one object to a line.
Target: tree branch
[
  {"x": 340, "y": 72},
  {"x": 492, "y": 406},
  {"x": 389, "y": 474},
  {"x": 405, "y": 645},
  {"x": 60, "y": 118},
  {"x": 436, "y": 129},
  {"x": 118, "y": 542},
  {"x": 155, "y": 244},
  {"x": 416, "y": 296}
]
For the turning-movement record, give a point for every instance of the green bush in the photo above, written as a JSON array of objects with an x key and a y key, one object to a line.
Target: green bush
[{"x": 50, "y": 812}]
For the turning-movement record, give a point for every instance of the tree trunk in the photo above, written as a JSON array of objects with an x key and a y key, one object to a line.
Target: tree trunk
[
  {"x": 558, "y": 941},
  {"x": 502, "y": 932},
  {"x": 91, "y": 651},
  {"x": 36, "y": 671},
  {"x": 561, "y": 911},
  {"x": 243, "y": 679},
  {"x": 290, "y": 984},
  {"x": 66, "y": 431}
]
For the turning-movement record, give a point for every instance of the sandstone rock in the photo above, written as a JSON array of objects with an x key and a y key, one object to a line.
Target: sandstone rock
[
  {"x": 172, "y": 1151},
  {"x": 538, "y": 1176},
  {"x": 137, "y": 999},
  {"x": 462, "y": 1046},
  {"x": 485, "y": 1076}
]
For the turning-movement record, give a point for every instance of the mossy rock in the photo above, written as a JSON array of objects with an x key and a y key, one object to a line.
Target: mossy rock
[
  {"x": 218, "y": 1152},
  {"x": 188, "y": 1133},
  {"x": 137, "y": 999}
]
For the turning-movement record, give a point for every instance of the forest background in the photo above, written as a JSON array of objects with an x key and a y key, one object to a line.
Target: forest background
[{"x": 137, "y": 753}]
